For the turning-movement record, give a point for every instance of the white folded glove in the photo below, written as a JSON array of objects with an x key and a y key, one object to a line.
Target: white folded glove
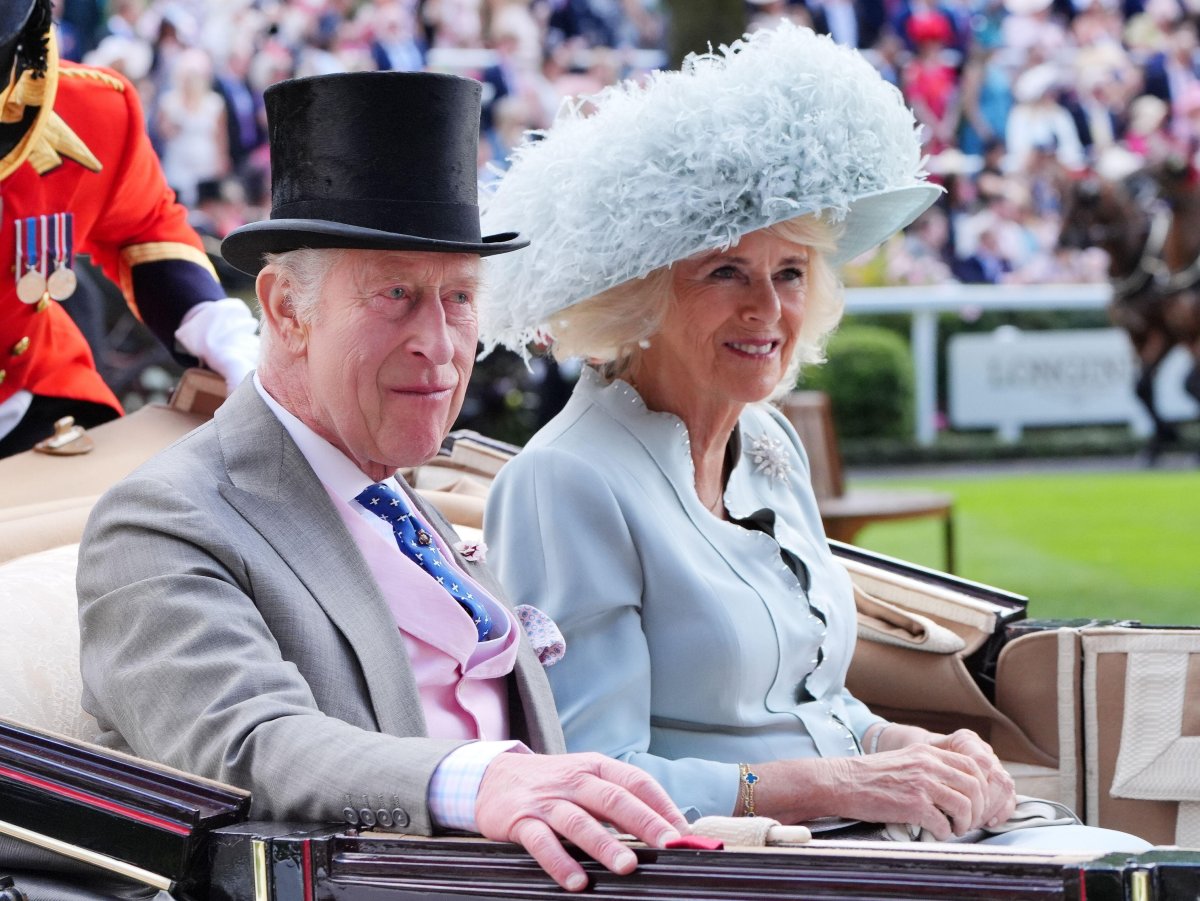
[
  {"x": 223, "y": 335},
  {"x": 1030, "y": 812}
]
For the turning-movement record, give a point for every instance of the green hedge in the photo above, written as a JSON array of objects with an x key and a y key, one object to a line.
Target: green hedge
[{"x": 869, "y": 380}]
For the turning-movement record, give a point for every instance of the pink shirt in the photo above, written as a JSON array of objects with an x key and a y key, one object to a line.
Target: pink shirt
[{"x": 461, "y": 680}]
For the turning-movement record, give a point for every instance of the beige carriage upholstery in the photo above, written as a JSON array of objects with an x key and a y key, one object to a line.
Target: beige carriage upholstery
[
  {"x": 1106, "y": 720},
  {"x": 1141, "y": 727}
]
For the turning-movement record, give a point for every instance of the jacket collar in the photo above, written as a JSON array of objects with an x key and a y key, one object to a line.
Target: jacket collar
[{"x": 49, "y": 139}]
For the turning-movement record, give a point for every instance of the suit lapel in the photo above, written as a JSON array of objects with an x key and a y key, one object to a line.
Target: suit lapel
[{"x": 274, "y": 489}]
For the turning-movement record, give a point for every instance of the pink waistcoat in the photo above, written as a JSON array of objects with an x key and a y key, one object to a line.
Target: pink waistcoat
[{"x": 462, "y": 681}]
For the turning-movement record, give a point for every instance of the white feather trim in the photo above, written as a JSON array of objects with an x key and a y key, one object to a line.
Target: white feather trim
[{"x": 780, "y": 124}]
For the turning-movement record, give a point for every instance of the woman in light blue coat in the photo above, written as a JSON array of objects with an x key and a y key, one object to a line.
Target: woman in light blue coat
[{"x": 684, "y": 238}]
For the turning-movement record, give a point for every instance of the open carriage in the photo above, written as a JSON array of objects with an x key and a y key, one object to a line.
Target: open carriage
[{"x": 1104, "y": 718}]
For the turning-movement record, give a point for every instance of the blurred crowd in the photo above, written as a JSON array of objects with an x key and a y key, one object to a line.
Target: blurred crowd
[{"x": 1014, "y": 95}]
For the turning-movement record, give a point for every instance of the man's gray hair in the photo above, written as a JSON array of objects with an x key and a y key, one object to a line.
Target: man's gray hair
[{"x": 302, "y": 275}]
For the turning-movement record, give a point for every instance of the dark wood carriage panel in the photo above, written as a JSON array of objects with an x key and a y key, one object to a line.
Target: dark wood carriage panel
[{"x": 376, "y": 867}]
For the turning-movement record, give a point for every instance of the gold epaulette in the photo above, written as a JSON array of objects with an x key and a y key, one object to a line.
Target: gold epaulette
[{"x": 95, "y": 75}]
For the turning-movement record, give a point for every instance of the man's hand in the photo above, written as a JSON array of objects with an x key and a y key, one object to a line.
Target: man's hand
[{"x": 532, "y": 799}]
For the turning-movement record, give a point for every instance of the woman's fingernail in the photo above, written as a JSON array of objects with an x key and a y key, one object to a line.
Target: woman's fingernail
[{"x": 624, "y": 861}]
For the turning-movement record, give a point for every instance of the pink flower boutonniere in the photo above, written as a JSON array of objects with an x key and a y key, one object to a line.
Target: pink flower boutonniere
[{"x": 472, "y": 551}]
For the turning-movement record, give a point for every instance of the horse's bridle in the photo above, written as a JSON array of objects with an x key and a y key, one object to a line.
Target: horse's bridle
[{"x": 1150, "y": 264}]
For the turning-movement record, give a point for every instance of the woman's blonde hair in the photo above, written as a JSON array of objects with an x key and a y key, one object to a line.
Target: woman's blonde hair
[{"x": 612, "y": 328}]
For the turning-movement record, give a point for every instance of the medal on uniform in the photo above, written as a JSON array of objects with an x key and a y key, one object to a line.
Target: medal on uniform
[
  {"x": 31, "y": 284},
  {"x": 61, "y": 282}
]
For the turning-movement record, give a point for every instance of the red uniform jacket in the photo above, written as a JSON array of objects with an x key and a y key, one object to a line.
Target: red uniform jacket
[{"x": 87, "y": 153}]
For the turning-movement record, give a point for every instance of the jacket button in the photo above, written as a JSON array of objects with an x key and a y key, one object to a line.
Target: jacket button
[
  {"x": 399, "y": 818},
  {"x": 367, "y": 816},
  {"x": 350, "y": 815},
  {"x": 383, "y": 817},
  {"x": 20, "y": 347},
  {"x": 3, "y": 376}
]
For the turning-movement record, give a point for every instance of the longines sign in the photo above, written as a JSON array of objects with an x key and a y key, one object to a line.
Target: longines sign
[{"x": 1009, "y": 379}]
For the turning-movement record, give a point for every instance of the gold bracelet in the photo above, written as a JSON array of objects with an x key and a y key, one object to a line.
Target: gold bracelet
[{"x": 747, "y": 779}]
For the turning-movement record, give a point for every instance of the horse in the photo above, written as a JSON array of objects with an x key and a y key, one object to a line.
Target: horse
[{"x": 1153, "y": 249}]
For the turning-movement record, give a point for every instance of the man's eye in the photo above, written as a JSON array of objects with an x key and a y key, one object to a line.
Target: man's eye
[
  {"x": 395, "y": 293},
  {"x": 459, "y": 297}
]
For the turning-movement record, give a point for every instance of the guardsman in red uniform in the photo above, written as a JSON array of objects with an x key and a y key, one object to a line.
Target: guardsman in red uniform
[{"x": 78, "y": 175}]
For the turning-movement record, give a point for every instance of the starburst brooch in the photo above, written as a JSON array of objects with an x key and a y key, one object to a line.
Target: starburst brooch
[{"x": 770, "y": 458}]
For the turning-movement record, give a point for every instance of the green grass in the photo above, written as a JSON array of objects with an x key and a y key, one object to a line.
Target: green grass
[{"x": 1116, "y": 545}]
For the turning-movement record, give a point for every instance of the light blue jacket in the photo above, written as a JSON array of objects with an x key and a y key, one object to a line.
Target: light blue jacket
[{"x": 691, "y": 644}]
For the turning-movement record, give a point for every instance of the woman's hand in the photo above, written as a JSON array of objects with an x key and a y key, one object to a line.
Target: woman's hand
[
  {"x": 1001, "y": 790},
  {"x": 942, "y": 790}
]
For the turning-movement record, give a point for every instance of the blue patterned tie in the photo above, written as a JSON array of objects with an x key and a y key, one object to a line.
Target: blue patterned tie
[{"x": 418, "y": 545}]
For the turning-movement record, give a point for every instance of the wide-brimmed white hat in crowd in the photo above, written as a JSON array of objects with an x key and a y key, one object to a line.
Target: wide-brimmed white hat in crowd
[{"x": 781, "y": 124}]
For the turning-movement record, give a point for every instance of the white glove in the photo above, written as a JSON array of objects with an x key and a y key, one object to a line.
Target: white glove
[{"x": 223, "y": 334}]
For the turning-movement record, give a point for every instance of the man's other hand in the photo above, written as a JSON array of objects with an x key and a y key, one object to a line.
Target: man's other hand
[{"x": 533, "y": 799}]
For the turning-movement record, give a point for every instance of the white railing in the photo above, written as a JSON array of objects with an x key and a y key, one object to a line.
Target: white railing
[{"x": 925, "y": 302}]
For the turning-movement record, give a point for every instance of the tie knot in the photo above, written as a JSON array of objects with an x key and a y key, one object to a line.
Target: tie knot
[{"x": 384, "y": 502}]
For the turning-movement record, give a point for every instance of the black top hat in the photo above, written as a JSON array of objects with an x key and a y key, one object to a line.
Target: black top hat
[
  {"x": 13, "y": 15},
  {"x": 374, "y": 161}
]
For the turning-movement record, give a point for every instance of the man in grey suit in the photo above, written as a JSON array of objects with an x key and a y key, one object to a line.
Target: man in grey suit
[{"x": 245, "y": 614}]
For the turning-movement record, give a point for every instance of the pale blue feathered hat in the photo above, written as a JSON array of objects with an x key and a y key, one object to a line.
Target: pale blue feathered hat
[{"x": 781, "y": 124}]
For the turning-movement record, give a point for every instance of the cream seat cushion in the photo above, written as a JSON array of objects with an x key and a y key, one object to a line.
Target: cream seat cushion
[{"x": 41, "y": 685}]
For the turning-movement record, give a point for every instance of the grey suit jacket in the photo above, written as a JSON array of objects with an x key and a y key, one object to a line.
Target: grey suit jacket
[{"x": 231, "y": 628}]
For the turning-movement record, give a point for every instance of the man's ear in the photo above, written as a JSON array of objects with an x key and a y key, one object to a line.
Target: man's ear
[{"x": 278, "y": 310}]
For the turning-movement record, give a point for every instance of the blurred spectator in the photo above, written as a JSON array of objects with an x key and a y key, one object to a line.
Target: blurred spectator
[
  {"x": 220, "y": 208},
  {"x": 128, "y": 54},
  {"x": 516, "y": 39},
  {"x": 987, "y": 100},
  {"x": 1147, "y": 134},
  {"x": 191, "y": 125},
  {"x": 84, "y": 18},
  {"x": 1103, "y": 87},
  {"x": 453, "y": 23},
  {"x": 1147, "y": 32},
  {"x": 1188, "y": 126},
  {"x": 930, "y": 80},
  {"x": 985, "y": 264},
  {"x": 395, "y": 44},
  {"x": 1170, "y": 73},
  {"x": 245, "y": 117},
  {"x": 920, "y": 256},
  {"x": 1039, "y": 122},
  {"x": 512, "y": 116},
  {"x": 1032, "y": 33},
  {"x": 855, "y": 23},
  {"x": 174, "y": 31}
]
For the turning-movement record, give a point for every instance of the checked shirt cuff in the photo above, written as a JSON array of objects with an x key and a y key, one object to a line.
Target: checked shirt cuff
[{"x": 455, "y": 782}]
